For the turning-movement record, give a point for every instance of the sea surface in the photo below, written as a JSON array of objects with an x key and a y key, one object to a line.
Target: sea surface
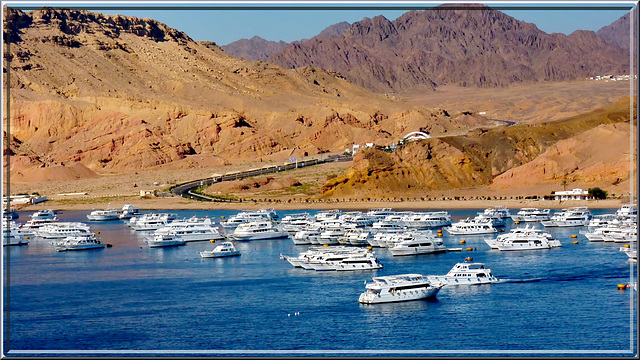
[{"x": 133, "y": 300}]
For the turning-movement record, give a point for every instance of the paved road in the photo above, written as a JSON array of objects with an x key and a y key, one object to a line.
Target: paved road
[{"x": 186, "y": 189}]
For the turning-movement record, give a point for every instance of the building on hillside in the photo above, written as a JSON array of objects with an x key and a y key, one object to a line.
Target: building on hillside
[
  {"x": 575, "y": 194},
  {"x": 150, "y": 193}
]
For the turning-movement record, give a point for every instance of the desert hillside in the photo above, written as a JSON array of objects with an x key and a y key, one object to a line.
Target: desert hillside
[
  {"x": 121, "y": 93},
  {"x": 586, "y": 150}
]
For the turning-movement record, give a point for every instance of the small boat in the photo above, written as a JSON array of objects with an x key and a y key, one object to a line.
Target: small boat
[
  {"x": 227, "y": 248},
  {"x": 467, "y": 273},
  {"x": 79, "y": 242},
  {"x": 395, "y": 288},
  {"x": 128, "y": 211}
]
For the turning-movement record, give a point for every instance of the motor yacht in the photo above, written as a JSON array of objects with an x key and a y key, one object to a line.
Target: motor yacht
[
  {"x": 193, "y": 229},
  {"x": 531, "y": 214},
  {"x": 628, "y": 211},
  {"x": 151, "y": 221},
  {"x": 61, "y": 230},
  {"x": 524, "y": 239},
  {"x": 470, "y": 226},
  {"x": 603, "y": 220},
  {"x": 426, "y": 220},
  {"x": 165, "y": 239},
  {"x": 13, "y": 237},
  {"x": 49, "y": 215},
  {"x": 245, "y": 217},
  {"x": 345, "y": 261},
  {"x": 328, "y": 215},
  {"x": 379, "y": 213},
  {"x": 259, "y": 230},
  {"x": 395, "y": 288},
  {"x": 622, "y": 234},
  {"x": 575, "y": 216},
  {"x": 466, "y": 273},
  {"x": 418, "y": 243},
  {"x": 227, "y": 248},
  {"x": 79, "y": 242},
  {"x": 104, "y": 215},
  {"x": 307, "y": 235},
  {"x": 631, "y": 253},
  {"x": 498, "y": 215},
  {"x": 128, "y": 211}
]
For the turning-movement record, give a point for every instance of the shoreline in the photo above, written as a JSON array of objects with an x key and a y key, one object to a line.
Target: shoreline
[{"x": 178, "y": 203}]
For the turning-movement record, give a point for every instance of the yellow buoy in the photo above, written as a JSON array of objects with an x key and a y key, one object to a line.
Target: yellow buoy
[
  {"x": 574, "y": 243},
  {"x": 325, "y": 245},
  {"x": 463, "y": 241},
  {"x": 469, "y": 259},
  {"x": 212, "y": 241},
  {"x": 26, "y": 237},
  {"x": 574, "y": 236},
  {"x": 501, "y": 230},
  {"x": 369, "y": 248},
  {"x": 517, "y": 222},
  {"x": 469, "y": 249},
  {"x": 222, "y": 217},
  {"x": 439, "y": 234},
  {"x": 622, "y": 287},
  {"x": 625, "y": 245},
  {"x": 97, "y": 232}
]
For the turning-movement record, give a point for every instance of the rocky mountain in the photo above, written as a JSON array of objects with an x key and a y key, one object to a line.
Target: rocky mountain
[
  {"x": 333, "y": 30},
  {"x": 118, "y": 93},
  {"x": 255, "y": 48},
  {"x": 617, "y": 33},
  {"x": 258, "y": 48},
  {"x": 474, "y": 46},
  {"x": 505, "y": 157}
]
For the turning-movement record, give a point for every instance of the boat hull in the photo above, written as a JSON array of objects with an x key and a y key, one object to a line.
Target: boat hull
[{"x": 399, "y": 296}]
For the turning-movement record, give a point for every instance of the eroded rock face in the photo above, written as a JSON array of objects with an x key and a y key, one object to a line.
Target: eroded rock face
[
  {"x": 122, "y": 94},
  {"x": 590, "y": 149}
]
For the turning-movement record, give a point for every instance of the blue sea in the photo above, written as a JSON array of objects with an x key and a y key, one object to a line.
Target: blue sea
[{"x": 133, "y": 300}]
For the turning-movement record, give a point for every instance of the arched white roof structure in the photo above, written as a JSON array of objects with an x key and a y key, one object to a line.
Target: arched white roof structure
[{"x": 416, "y": 135}]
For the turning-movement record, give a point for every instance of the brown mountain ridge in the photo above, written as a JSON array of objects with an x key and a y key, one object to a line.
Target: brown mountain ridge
[{"x": 476, "y": 46}]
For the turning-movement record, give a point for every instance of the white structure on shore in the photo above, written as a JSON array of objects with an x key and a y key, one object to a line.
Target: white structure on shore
[{"x": 575, "y": 194}]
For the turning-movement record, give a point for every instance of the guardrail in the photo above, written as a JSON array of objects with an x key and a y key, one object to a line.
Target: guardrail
[{"x": 185, "y": 189}]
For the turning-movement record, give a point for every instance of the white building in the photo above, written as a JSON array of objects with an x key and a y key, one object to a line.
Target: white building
[{"x": 575, "y": 194}]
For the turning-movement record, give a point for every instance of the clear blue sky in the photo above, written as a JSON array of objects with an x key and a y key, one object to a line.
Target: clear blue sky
[{"x": 226, "y": 26}]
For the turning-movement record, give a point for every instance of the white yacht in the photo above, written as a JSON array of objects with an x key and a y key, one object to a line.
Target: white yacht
[
  {"x": 227, "y": 248},
  {"x": 603, "y": 220},
  {"x": 379, "y": 213},
  {"x": 395, "y": 288},
  {"x": 628, "y": 211},
  {"x": 345, "y": 261},
  {"x": 258, "y": 230},
  {"x": 193, "y": 229},
  {"x": 622, "y": 234},
  {"x": 358, "y": 237},
  {"x": 61, "y": 230},
  {"x": 524, "y": 239},
  {"x": 575, "y": 216},
  {"x": 531, "y": 214},
  {"x": 104, "y": 215},
  {"x": 295, "y": 222},
  {"x": 498, "y": 215},
  {"x": 388, "y": 225},
  {"x": 245, "y": 217},
  {"x": 426, "y": 220},
  {"x": 470, "y": 226},
  {"x": 165, "y": 239},
  {"x": 328, "y": 215},
  {"x": 307, "y": 235},
  {"x": 128, "y": 211},
  {"x": 79, "y": 242},
  {"x": 49, "y": 215},
  {"x": 418, "y": 243},
  {"x": 150, "y": 221},
  {"x": 466, "y": 273},
  {"x": 13, "y": 237}
]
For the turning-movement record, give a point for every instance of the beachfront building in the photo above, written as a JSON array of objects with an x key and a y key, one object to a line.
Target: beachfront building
[{"x": 575, "y": 194}]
